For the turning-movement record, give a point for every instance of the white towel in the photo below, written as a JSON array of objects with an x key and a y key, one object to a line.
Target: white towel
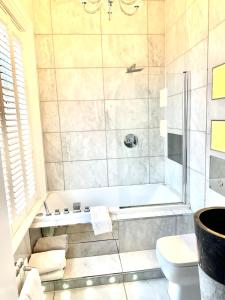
[
  {"x": 48, "y": 261},
  {"x": 56, "y": 275},
  {"x": 32, "y": 288},
  {"x": 100, "y": 219},
  {"x": 59, "y": 242}
]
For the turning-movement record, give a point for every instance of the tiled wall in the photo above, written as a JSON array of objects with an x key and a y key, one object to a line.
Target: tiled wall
[
  {"x": 194, "y": 42},
  {"x": 88, "y": 101}
]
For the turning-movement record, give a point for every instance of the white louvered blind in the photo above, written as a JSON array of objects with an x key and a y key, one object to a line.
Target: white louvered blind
[
  {"x": 15, "y": 140},
  {"x": 24, "y": 120}
]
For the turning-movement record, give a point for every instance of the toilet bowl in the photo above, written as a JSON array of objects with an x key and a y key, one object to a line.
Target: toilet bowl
[{"x": 178, "y": 259}]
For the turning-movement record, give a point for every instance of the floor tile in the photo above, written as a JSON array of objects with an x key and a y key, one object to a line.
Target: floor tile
[
  {"x": 49, "y": 296},
  {"x": 139, "y": 260},
  {"x": 155, "y": 289},
  {"x": 92, "y": 266},
  {"x": 109, "y": 292}
]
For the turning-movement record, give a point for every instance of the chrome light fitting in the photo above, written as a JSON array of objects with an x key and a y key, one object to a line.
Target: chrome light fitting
[{"x": 128, "y": 7}]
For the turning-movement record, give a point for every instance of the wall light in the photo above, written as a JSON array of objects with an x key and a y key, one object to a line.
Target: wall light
[
  {"x": 128, "y": 7},
  {"x": 89, "y": 282}
]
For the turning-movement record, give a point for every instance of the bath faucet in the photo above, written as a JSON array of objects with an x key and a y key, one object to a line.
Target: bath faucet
[
  {"x": 46, "y": 209},
  {"x": 76, "y": 207}
]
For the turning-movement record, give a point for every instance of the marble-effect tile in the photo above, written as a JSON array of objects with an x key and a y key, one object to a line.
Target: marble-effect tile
[
  {"x": 92, "y": 173},
  {"x": 83, "y": 145},
  {"x": 128, "y": 171},
  {"x": 139, "y": 260},
  {"x": 155, "y": 289},
  {"x": 92, "y": 266},
  {"x": 124, "y": 114}
]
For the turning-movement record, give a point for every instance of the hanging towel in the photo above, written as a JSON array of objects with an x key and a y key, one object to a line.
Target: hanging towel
[
  {"x": 59, "y": 242},
  {"x": 32, "y": 288},
  {"x": 48, "y": 261},
  {"x": 56, "y": 275},
  {"x": 100, "y": 219}
]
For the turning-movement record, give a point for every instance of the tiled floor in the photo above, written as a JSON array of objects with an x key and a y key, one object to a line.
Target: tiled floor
[
  {"x": 109, "y": 264},
  {"x": 92, "y": 266},
  {"x": 139, "y": 260},
  {"x": 155, "y": 289}
]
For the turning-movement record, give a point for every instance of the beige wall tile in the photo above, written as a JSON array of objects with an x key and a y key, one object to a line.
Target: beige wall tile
[
  {"x": 216, "y": 46},
  {"x": 52, "y": 147},
  {"x": 174, "y": 111},
  {"x": 42, "y": 16},
  {"x": 124, "y": 50},
  {"x": 156, "y": 143},
  {"x": 156, "y": 17},
  {"x": 198, "y": 109},
  {"x": 44, "y": 51},
  {"x": 156, "y": 81},
  {"x": 176, "y": 40},
  {"x": 47, "y": 85},
  {"x": 197, "y": 22},
  {"x": 50, "y": 117},
  {"x": 122, "y": 24},
  {"x": 196, "y": 63},
  {"x": 216, "y": 12},
  {"x": 118, "y": 84},
  {"x": 155, "y": 113},
  {"x": 128, "y": 171},
  {"x": 83, "y": 145},
  {"x": 156, "y": 47},
  {"x": 80, "y": 51},
  {"x": 55, "y": 178},
  {"x": 174, "y": 10},
  {"x": 125, "y": 114},
  {"x": 79, "y": 84},
  {"x": 70, "y": 17},
  {"x": 174, "y": 75},
  {"x": 85, "y": 174},
  {"x": 157, "y": 169},
  {"x": 81, "y": 115}
]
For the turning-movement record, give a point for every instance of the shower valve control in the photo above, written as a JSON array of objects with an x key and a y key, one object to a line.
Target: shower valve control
[{"x": 130, "y": 140}]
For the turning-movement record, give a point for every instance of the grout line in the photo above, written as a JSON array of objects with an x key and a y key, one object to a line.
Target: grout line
[
  {"x": 57, "y": 95},
  {"x": 103, "y": 67},
  {"x": 206, "y": 125},
  {"x": 148, "y": 139},
  {"x": 103, "y": 159},
  {"x": 102, "y": 130},
  {"x": 100, "y": 34},
  {"x": 125, "y": 291},
  {"x": 103, "y": 85}
]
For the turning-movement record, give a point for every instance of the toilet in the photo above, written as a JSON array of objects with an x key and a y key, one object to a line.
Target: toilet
[{"x": 178, "y": 259}]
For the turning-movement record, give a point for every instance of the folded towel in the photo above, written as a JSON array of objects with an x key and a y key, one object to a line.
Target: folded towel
[
  {"x": 100, "y": 219},
  {"x": 59, "y": 242},
  {"x": 56, "y": 275},
  {"x": 32, "y": 288},
  {"x": 48, "y": 261}
]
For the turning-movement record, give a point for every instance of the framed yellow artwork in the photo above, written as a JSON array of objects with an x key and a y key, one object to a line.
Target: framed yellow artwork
[
  {"x": 218, "y": 135},
  {"x": 218, "y": 82}
]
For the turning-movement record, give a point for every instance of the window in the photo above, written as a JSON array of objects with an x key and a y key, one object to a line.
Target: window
[{"x": 16, "y": 152}]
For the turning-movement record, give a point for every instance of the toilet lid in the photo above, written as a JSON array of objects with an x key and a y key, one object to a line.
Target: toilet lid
[{"x": 180, "y": 250}]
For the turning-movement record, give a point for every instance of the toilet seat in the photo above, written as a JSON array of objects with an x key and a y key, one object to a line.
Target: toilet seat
[{"x": 179, "y": 250}]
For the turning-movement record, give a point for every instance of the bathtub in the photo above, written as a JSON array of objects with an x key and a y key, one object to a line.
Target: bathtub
[{"x": 122, "y": 201}]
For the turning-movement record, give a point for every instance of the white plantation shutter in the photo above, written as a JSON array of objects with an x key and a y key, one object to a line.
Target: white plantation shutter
[
  {"x": 14, "y": 137},
  {"x": 24, "y": 121}
]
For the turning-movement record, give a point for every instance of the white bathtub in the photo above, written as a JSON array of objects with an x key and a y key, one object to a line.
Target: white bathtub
[{"x": 112, "y": 197}]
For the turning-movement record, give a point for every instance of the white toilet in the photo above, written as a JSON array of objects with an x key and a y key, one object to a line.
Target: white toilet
[{"x": 178, "y": 259}]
